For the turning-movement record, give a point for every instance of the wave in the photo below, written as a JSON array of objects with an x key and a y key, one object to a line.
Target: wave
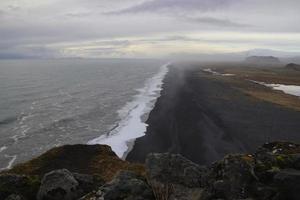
[
  {"x": 132, "y": 125},
  {"x": 3, "y": 148},
  {"x": 10, "y": 163}
]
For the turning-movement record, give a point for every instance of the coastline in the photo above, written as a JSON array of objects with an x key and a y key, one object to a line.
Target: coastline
[
  {"x": 121, "y": 138},
  {"x": 204, "y": 119}
]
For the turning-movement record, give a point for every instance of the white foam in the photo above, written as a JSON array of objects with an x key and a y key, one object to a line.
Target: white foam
[
  {"x": 216, "y": 73},
  {"x": 288, "y": 89},
  {"x": 10, "y": 163},
  {"x": 211, "y": 71},
  {"x": 3, "y": 148},
  {"x": 132, "y": 125}
]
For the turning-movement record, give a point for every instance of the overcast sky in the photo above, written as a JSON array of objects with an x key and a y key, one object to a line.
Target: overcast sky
[{"x": 145, "y": 28}]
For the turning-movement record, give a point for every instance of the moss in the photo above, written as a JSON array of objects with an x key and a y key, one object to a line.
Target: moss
[
  {"x": 274, "y": 169},
  {"x": 26, "y": 186},
  {"x": 85, "y": 159},
  {"x": 248, "y": 158}
]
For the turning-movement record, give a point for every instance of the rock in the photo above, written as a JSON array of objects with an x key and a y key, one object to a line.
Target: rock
[
  {"x": 12, "y": 184},
  {"x": 126, "y": 185},
  {"x": 288, "y": 181},
  {"x": 174, "y": 177},
  {"x": 296, "y": 160},
  {"x": 15, "y": 197},
  {"x": 83, "y": 159},
  {"x": 88, "y": 183},
  {"x": 58, "y": 185},
  {"x": 231, "y": 178}
]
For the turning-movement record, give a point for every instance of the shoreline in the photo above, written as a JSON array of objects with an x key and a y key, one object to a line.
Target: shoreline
[
  {"x": 121, "y": 138},
  {"x": 204, "y": 119}
]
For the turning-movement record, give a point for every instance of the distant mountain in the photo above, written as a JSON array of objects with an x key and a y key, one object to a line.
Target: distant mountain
[
  {"x": 284, "y": 56},
  {"x": 262, "y": 60},
  {"x": 293, "y": 66},
  {"x": 270, "y": 52}
]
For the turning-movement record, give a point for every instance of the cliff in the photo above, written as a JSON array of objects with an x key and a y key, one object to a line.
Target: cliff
[{"x": 95, "y": 172}]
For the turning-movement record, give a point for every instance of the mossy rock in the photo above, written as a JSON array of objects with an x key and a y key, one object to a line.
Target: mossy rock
[{"x": 26, "y": 186}]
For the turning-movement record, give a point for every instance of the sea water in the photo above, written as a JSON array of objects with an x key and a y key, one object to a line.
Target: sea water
[{"x": 48, "y": 103}]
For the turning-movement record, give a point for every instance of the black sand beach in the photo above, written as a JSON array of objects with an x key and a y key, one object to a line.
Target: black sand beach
[{"x": 204, "y": 118}]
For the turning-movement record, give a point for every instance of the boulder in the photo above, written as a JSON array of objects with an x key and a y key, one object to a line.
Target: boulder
[
  {"x": 126, "y": 185},
  {"x": 58, "y": 185},
  {"x": 88, "y": 183},
  {"x": 15, "y": 197},
  {"x": 12, "y": 184},
  {"x": 231, "y": 178},
  {"x": 288, "y": 182},
  {"x": 174, "y": 177}
]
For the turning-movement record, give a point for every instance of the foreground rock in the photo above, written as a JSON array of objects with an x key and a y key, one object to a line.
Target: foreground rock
[
  {"x": 271, "y": 173},
  {"x": 174, "y": 177},
  {"x": 126, "y": 185},
  {"x": 59, "y": 184},
  {"x": 18, "y": 186}
]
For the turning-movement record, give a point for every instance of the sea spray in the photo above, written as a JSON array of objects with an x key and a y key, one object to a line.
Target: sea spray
[{"x": 132, "y": 125}]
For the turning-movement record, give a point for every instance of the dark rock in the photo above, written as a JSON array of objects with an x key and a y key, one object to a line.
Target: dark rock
[
  {"x": 58, "y": 185},
  {"x": 88, "y": 183},
  {"x": 296, "y": 160},
  {"x": 174, "y": 177},
  {"x": 19, "y": 185},
  {"x": 174, "y": 168},
  {"x": 15, "y": 197},
  {"x": 231, "y": 178},
  {"x": 126, "y": 185},
  {"x": 288, "y": 181}
]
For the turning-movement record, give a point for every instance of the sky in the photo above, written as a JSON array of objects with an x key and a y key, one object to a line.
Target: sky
[{"x": 145, "y": 28}]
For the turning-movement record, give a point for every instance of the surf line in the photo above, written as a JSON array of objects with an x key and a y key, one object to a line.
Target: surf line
[{"x": 132, "y": 126}]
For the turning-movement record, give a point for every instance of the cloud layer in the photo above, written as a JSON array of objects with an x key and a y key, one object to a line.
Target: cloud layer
[
  {"x": 179, "y": 5},
  {"x": 145, "y": 28}
]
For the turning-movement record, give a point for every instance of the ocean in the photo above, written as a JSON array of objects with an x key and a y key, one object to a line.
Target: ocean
[{"x": 48, "y": 103}]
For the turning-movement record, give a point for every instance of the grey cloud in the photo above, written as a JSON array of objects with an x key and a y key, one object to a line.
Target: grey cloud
[
  {"x": 120, "y": 43},
  {"x": 168, "y": 5},
  {"x": 183, "y": 6},
  {"x": 78, "y": 14},
  {"x": 215, "y": 21},
  {"x": 19, "y": 52}
]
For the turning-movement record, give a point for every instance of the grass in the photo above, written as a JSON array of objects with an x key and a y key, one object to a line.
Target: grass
[{"x": 278, "y": 75}]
